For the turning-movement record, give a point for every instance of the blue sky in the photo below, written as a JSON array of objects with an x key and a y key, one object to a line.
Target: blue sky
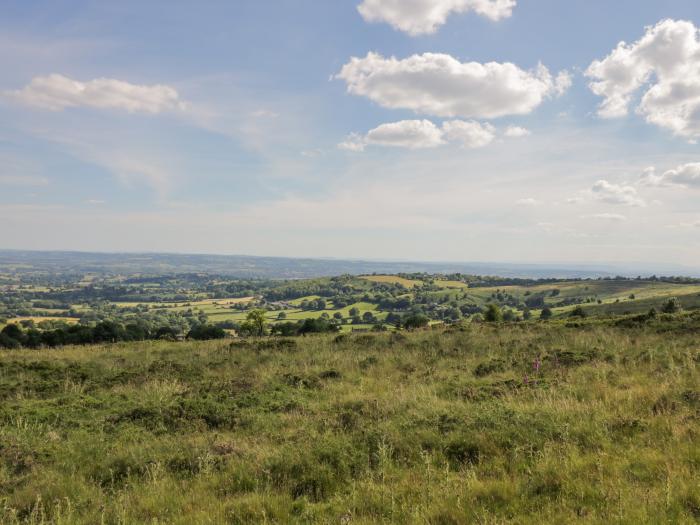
[{"x": 244, "y": 127}]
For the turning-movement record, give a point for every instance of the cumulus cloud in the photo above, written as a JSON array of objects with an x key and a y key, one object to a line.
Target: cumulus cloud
[
  {"x": 616, "y": 194},
  {"x": 414, "y": 134},
  {"x": 665, "y": 65},
  {"x": 421, "y": 134},
  {"x": 57, "y": 92},
  {"x": 686, "y": 175},
  {"x": 469, "y": 134},
  {"x": 440, "y": 85},
  {"x": 418, "y": 17},
  {"x": 515, "y": 132}
]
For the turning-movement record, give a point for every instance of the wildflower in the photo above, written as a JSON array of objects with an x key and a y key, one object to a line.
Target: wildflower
[{"x": 536, "y": 365}]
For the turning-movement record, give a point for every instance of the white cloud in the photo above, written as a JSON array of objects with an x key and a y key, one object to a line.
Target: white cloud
[
  {"x": 422, "y": 134},
  {"x": 418, "y": 17},
  {"x": 413, "y": 134},
  {"x": 616, "y": 194},
  {"x": 665, "y": 62},
  {"x": 354, "y": 142},
  {"x": 562, "y": 83},
  {"x": 440, "y": 85},
  {"x": 57, "y": 92},
  {"x": 686, "y": 175},
  {"x": 613, "y": 217},
  {"x": 516, "y": 132},
  {"x": 469, "y": 134}
]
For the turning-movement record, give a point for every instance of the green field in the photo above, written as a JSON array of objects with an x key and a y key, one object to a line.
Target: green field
[{"x": 513, "y": 423}]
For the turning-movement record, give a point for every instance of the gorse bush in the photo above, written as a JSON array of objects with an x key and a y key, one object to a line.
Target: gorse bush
[{"x": 479, "y": 423}]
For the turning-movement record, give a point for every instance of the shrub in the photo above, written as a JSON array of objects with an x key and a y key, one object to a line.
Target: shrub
[
  {"x": 578, "y": 312},
  {"x": 672, "y": 306},
  {"x": 493, "y": 314}
]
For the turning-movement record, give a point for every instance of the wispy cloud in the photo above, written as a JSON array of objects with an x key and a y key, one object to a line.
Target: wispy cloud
[{"x": 57, "y": 92}]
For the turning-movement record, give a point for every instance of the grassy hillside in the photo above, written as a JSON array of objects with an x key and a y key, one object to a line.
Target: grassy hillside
[{"x": 522, "y": 423}]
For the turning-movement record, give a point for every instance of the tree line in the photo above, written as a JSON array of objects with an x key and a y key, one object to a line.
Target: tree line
[{"x": 13, "y": 336}]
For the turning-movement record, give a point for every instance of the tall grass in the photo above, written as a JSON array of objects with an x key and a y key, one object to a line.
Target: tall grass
[{"x": 530, "y": 423}]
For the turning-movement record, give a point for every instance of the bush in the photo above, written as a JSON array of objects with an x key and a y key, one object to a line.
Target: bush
[
  {"x": 672, "y": 306},
  {"x": 493, "y": 314},
  {"x": 578, "y": 312}
]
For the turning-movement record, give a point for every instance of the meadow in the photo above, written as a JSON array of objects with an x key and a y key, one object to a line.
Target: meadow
[{"x": 593, "y": 421}]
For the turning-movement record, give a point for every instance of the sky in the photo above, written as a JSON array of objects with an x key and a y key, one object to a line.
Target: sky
[{"x": 533, "y": 131}]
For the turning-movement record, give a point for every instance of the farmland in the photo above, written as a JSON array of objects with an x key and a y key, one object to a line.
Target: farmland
[{"x": 380, "y": 301}]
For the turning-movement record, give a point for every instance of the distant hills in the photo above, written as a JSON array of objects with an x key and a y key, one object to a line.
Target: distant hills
[{"x": 244, "y": 266}]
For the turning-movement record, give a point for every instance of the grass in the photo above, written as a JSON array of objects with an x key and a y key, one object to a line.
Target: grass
[
  {"x": 211, "y": 304},
  {"x": 437, "y": 427},
  {"x": 450, "y": 284},
  {"x": 393, "y": 279}
]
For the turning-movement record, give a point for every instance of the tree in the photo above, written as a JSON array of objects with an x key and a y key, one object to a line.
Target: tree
[
  {"x": 415, "y": 321},
  {"x": 255, "y": 324},
  {"x": 281, "y": 316},
  {"x": 13, "y": 331},
  {"x": 354, "y": 312},
  {"x": 393, "y": 319},
  {"x": 493, "y": 314},
  {"x": 546, "y": 313},
  {"x": 368, "y": 317},
  {"x": 338, "y": 316},
  {"x": 204, "y": 332},
  {"x": 316, "y": 326},
  {"x": 11, "y": 337},
  {"x": 535, "y": 301}
]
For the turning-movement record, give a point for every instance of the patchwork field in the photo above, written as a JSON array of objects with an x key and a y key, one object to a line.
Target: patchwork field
[{"x": 515, "y": 423}]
